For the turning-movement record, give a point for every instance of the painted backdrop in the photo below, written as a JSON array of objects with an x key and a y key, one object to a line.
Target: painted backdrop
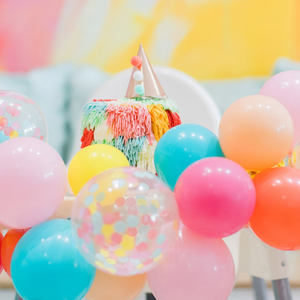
[{"x": 208, "y": 39}]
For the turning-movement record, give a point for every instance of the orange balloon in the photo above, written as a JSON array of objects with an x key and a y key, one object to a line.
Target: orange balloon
[
  {"x": 1, "y": 240},
  {"x": 111, "y": 287},
  {"x": 276, "y": 218},
  {"x": 9, "y": 244},
  {"x": 256, "y": 132}
]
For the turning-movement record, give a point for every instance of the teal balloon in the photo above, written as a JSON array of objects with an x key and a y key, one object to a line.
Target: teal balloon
[
  {"x": 47, "y": 265},
  {"x": 180, "y": 147}
]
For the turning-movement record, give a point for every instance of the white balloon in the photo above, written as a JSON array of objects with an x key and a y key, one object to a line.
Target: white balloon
[{"x": 138, "y": 75}]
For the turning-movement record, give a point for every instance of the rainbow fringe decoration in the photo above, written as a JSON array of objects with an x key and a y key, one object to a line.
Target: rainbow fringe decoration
[{"x": 134, "y": 126}]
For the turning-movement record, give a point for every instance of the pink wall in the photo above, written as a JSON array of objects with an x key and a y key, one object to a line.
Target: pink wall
[{"x": 24, "y": 23}]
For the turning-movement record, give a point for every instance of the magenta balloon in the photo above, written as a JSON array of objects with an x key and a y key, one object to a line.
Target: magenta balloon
[
  {"x": 33, "y": 182},
  {"x": 196, "y": 269},
  {"x": 285, "y": 87},
  {"x": 215, "y": 197}
]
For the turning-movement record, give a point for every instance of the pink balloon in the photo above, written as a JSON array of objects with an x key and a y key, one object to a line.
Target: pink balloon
[
  {"x": 215, "y": 197},
  {"x": 197, "y": 268},
  {"x": 285, "y": 87},
  {"x": 33, "y": 182}
]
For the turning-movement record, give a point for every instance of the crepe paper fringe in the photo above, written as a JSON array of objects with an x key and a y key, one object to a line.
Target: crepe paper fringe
[
  {"x": 103, "y": 131},
  {"x": 174, "y": 119},
  {"x": 94, "y": 114},
  {"x": 146, "y": 157},
  {"x": 129, "y": 121},
  {"x": 104, "y": 100},
  {"x": 106, "y": 142},
  {"x": 159, "y": 119},
  {"x": 167, "y": 104},
  {"x": 87, "y": 138},
  {"x": 131, "y": 125},
  {"x": 131, "y": 149}
]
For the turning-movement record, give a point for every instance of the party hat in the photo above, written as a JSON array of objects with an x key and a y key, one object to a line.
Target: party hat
[{"x": 143, "y": 81}]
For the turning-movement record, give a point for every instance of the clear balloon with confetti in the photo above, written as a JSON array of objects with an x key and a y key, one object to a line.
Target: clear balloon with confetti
[
  {"x": 125, "y": 221},
  {"x": 20, "y": 117}
]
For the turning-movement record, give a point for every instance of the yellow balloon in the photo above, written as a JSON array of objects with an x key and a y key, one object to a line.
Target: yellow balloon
[{"x": 92, "y": 160}]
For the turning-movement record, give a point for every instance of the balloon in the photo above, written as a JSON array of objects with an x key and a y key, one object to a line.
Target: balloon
[
  {"x": 180, "y": 147},
  {"x": 47, "y": 265},
  {"x": 276, "y": 215},
  {"x": 256, "y": 132},
  {"x": 215, "y": 197},
  {"x": 9, "y": 244},
  {"x": 1, "y": 240},
  {"x": 294, "y": 160},
  {"x": 285, "y": 87},
  {"x": 124, "y": 221},
  {"x": 111, "y": 287},
  {"x": 92, "y": 160},
  {"x": 33, "y": 182},
  {"x": 197, "y": 268},
  {"x": 20, "y": 116}
]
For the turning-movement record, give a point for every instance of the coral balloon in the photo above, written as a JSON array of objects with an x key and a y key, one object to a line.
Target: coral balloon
[
  {"x": 47, "y": 265},
  {"x": 125, "y": 221},
  {"x": 111, "y": 287},
  {"x": 92, "y": 160},
  {"x": 33, "y": 182},
  {"x": 20, "y": 117},
  {"x": 215, "y": 197},
  {"x": 285, "y": 87},
  {"x": 180, "y": 147},
  {"x": 276, "y": 215},
  {"x": 1, "y": 240},
  {"x": 192, "y": 270},
  {"x": 256, "y": 132},
  {"x": 9, "y": 244}
]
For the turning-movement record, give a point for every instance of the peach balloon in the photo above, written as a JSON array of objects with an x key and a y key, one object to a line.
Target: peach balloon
[
  {"x": 256, "y": 132},
  {"x": 111, "y": 287}
]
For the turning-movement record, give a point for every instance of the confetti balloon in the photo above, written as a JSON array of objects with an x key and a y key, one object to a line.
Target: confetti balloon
[
  {"x": 125, "y": 220},
  {"x": 20, "y": 117}
]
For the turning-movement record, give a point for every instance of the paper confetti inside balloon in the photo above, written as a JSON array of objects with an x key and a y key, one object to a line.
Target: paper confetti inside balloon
[
  {"x": 20, "y": 117},
  {"x": 125, "y": 220}
]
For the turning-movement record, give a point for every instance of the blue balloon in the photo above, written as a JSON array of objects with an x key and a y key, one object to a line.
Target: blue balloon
[
  {"x": 47, "y": 265},
  {"x": 180, "y": 147}
]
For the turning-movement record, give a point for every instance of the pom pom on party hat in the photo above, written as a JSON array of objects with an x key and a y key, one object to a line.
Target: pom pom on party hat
[
  {"x": 143, "y": 81},
  {"x": 133, "y": 124}
]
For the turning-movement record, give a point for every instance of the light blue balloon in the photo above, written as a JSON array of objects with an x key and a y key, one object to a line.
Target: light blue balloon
[
  {"x": 47, "y": 265},
  {"x": 180, "y": 147}
]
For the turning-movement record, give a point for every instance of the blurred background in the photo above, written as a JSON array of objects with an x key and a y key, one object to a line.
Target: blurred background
[{"x": 208, "y": 39}]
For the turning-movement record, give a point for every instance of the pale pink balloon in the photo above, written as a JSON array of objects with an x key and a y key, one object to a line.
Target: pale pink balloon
[
  {"x": 285, "y": 88},
  {"x": 196, "y": 269},
  {"x": 33, "y": 182}
]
